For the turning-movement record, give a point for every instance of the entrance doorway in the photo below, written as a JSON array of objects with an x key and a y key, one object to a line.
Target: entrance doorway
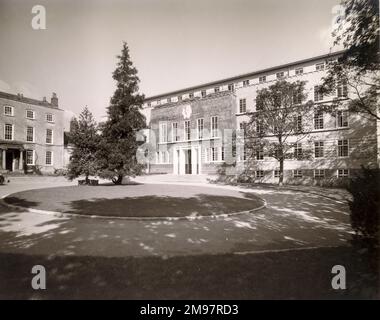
[
  {"x": 9, "y": 160},
  {"x": 188, "y": 163}
]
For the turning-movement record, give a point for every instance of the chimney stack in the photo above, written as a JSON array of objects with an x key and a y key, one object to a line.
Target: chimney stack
[{"x": 54, "y": 100}]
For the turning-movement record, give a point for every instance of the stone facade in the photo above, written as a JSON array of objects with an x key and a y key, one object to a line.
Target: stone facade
[
  {"x": 31, "y": 137},
  {"x": 348, "y": 143}
]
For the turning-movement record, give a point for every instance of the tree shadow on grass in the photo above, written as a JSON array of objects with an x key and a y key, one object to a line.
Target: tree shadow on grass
[
  {"x": 161, "y": 206},
  {"x": 274, "y": 275}
]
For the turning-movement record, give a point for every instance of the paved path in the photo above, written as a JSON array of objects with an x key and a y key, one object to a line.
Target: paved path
[{"x": 291, "y": 220}]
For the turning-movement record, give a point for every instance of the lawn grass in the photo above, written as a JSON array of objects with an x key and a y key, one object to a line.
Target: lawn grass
[{"x": 137, "y": 200}]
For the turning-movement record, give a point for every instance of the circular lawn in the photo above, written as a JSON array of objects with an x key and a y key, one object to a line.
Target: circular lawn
[{"x": 140, "y": 200}]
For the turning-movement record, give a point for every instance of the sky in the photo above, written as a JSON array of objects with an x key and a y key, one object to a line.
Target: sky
[{"x": 173, "y": 43}]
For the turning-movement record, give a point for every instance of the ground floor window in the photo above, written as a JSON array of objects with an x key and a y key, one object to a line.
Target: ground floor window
[
  {"x": 343, "y": 173},
  {"x": 297, "y": 173},
  {"x": 259, "y": 174},
  {"x": 49, "y": 158},
  {"x": 319, "y": 173},
  {"x": 29, "y": 157},
  {"x": 277, "y": 173}
]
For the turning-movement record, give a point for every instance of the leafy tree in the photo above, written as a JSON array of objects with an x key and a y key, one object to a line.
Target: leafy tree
[
  {"x": 358, "y": 67},
  {"x": 118, "y": 147},
  {"x": 85, "y": 139},
  {"x": 281, "y": 120}
]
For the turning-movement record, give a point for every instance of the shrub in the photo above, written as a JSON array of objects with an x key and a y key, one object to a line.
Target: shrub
[{"x": 365, "y": 205}]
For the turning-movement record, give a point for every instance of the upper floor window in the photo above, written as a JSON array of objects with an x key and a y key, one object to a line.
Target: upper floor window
[
  {"x": 30, "y": 114},
  {"x": 318, "y": 149},
  {"x": 262, "y": 79},
  {"x": 342, "y": 148},
  {"x": 149, "y": 104},
  {"x": 259, "y": 127},
  {"x": 158, "y": 102},
  {"x": 49, "y": 117},
  {"x": 298, "y": 120},
  {"x": 245, "y": 83},
  {"x": 280, "y": 75},
  {"x": 242, "y": 105},
  {"x": 318, "y": 96},
  {"x": 216, "y": 89},
  {"x": 187, "y": 130},
  {"x": 260, "y": 153},
  {"x": 168, "y": 100},
  {"x": 179, "y": 98},
  {"x": 49, "y": 136},
  {"x": 297, "y": 98},
  {"x": 231, "y": 87},
  {"x": 8, "y": 110},
  {"x": 175, "y": 136},
  {"x": 342, "y": 90},
  {"x": 200, "y": 128},
  {"x": 163, "y": 132},
  {"x": 318, "y": 120},
  {"x": 30, "y": 134},
  {"x": 259, "y": 174},
  {"x": 191, "y": 95},
  {"x": 298, "y": 151},
  {"x": 299, "y": 71},
  {"x": 8, "y": 131},
  {"x": 342, "y": 118},
  {"x": 320, "y": 66},
  {"x": 214, "y": 127},
  {"x": 203, "y": 93}
]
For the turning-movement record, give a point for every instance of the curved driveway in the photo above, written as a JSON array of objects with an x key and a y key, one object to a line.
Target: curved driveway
[{"x": 291, "y": 220}]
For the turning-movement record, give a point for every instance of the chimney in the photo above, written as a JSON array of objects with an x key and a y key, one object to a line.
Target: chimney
[{"x": 54, "y": 100}]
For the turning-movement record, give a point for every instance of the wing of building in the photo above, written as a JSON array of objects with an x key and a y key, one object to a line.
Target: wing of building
[
  {"x": 188, "y": 127},
  {"x": 31, "y": 137}
]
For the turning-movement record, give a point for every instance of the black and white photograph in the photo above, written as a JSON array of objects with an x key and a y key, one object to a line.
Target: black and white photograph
[{"x": 189, "y": 150}]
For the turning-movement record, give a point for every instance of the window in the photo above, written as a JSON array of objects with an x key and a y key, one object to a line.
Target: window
[
  {"x": 203, "y": 93},
  {"x": 191, "y": 95},
  {"x": 242, "y": 105},
  {"x": 149, "y": 104},
  {"x": 214, "y": 154},
  {"x": 163, "y": 132},
  {"x": 200, "y": 128},
  {"x": 179, "y": 98},
  {"x": 222, "y": 153},
  {"x": 158, "y": 102},
  {"x": 297, "y": 98},
  {"x": 280, "y": 75},
  {"x": 49, "y": 136},
  {"x": 30, "y": 114},
  {"x": 29, "y": 157},
  {"x": 342, "y": 148},
  {"x": 259, "y": 174},
  {"x": 298, "y": 124},
  {"x": 8, "y": 110},
  {"x": 231, "y": 87},
  {"x": 259, "y": 127},
  {"x": 342, "y": 119},
  {"x": 297, "y": 173},
  {"x": 8, "y": 131},
  {"x": 214, "y": 127},
  {"x": 175, "y": 136},
  {"x": 276, "y": 173},
  {"x": 318, "y": 149},
  {"x": 298, "y": 151},
  {"x": 320, "y": 66},
  {"x": 318, "y": 120},
  {"x": 299, "y": 71},
  {"x": 168, "y": 100},
  {"x": 342, "y": 91},
  {"x": 318, "y": 96},
  {"x": 187, "y": 130},
  {"x": 49, "y": 158},
  {"x": 343, "y": 173},
  {"x": 262, "y": 79},
  {"x": 319, "y": 173},
  {"x": 260, "y": 153},
  {"x": 245, "y": 83},
  {"x": 216, "y": 89},
  {"x": 29, "y": 134}
]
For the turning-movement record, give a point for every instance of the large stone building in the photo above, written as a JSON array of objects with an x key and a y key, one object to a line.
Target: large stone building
[
  {"x": 188, "y": 127},
  {"x": 31, "y": 138}
]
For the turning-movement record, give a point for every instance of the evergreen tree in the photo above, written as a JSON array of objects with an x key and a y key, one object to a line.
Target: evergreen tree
[
  {"x": 84, "y": 138},
  {"x": 118, "y": 148}
]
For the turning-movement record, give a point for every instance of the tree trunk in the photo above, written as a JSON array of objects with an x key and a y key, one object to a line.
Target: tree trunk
[
  {"x": 118, "y": 180},
  {"x": 87, "y": 180},
  {"x": 281, "y": 178}
]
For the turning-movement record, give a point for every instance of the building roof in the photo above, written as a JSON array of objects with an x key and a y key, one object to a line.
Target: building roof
[
  {"x": 242, "y": 76},
  {"x": 21, "y": 98}
]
